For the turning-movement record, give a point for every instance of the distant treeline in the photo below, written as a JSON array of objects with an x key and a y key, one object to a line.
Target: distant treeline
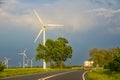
[{"x": 109, "y": 58}]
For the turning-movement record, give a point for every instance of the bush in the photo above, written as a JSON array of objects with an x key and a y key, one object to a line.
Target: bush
[
  {"x": 2, "y": 66},
  {"x": 114, "y": 65}
]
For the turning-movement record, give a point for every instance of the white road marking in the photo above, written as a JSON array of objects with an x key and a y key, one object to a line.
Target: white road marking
[
  {"x": 55, "y": 75},
  {"x": 83, "y": 76}
]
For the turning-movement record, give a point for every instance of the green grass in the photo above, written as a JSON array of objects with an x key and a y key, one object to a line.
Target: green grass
[
  {"x": 103, "y": 74},
  {"x": 23, "y": 71}
]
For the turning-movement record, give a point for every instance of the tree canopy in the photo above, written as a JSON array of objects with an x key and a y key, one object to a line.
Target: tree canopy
[{"x": 56, "y": 51}]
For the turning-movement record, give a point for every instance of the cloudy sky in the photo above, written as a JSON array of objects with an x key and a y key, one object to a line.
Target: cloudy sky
[{"x": 87, "y": 24}]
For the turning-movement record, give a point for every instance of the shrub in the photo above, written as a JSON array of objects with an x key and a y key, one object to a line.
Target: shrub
[
  {"x": 114, "y": 65},
  {"x": 2, "y": 66}
]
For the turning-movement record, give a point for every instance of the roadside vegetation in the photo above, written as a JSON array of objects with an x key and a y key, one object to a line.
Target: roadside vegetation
[
  {"x": 103, "y": 74},
  {"x": 19, "y": 71},
  {"x": 24, "y": 71},
  {"x": 108, "y": 61},
  {"x": 2, "y": 66}
]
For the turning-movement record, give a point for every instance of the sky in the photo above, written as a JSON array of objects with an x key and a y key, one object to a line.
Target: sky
[{"x": 87, "y": 24}]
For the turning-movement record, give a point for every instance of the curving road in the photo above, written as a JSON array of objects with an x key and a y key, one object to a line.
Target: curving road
[{"x": 61, "y": 75}]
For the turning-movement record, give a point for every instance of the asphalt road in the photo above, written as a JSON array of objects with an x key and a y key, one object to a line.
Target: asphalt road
[{"x": 62, "y": 75}]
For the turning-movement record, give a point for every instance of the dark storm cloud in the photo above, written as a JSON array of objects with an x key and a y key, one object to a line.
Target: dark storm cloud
[{"x": 1, "y": 2}]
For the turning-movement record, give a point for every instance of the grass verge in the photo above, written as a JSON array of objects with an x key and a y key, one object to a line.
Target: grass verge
[
  {"x": 102, "y": 74},
  {"x": 23, "y": 71}
]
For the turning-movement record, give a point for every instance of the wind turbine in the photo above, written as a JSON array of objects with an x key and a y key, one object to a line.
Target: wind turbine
[
  {"x": 20, "y": 64},
  {"x": 24, "y": 56},
  {"x": 6, "y": 61},
  {"x": 43, "y": 30},
  {"x": 31, "y": 62}
]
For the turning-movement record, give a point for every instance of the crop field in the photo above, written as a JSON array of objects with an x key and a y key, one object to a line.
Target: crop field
[{"x": 103, "y": 74}]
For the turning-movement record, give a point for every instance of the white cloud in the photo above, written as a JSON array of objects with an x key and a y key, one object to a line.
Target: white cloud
[
  {"x": 75, "y": 15},
  {"x": 70, "y": 13},
  {"x": 108, "y": 18},
  {"x": 105, "y": 12},
  {"x": 63, "y": 13},
  {"x": 12, "y": 19}
]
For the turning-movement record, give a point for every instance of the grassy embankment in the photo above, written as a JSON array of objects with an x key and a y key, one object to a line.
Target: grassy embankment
[
  {"x": 103, "y": 74},
  {"x": 23, "y": 71}
]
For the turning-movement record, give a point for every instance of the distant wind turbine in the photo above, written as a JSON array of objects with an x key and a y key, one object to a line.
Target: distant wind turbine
[
  {"x": 31, "y": 62},
  {"x": 43, "y": 30},
  {"x": 6, "y": 61},
  {"x": 24, "y": 56},
  {"x": 20, "y": 64}
]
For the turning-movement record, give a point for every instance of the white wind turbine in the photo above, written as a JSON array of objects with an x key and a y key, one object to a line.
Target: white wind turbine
[
  {"x": 24, "y": 56},
  {"x": 6, "y": 61},
  {"x": 31, "y": 62},
  {"x": 43, "y": 30},
  {"x": 20, "y": 64}
]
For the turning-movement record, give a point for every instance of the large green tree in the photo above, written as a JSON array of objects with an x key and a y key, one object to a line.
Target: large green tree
[
  {"x": 63, "y": 51},
  {"x": 57, "y": 51}
]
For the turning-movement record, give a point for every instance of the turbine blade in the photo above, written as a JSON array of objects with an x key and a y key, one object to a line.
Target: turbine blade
[
  {"x": 54, "y": 25},
  {"x": 38, "y": 35},
  {"x": 20, "y": 53},
  {"x": 39, "y": 18},
  {"x": 24, "y": 53},
  {"x": 25, "y": 50}
]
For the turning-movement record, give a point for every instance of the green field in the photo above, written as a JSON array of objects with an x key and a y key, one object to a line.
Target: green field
[
  {"x": 102, "y": 74},
  {"x": 23, "y": 71}
]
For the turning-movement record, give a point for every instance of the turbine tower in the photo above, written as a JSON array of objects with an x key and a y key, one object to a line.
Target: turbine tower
[
  {"x": 20, "y": 64},
  {"x": 43, "y": 30},
  {"x": 31, "y": 62},
  {"x": 24, "y": 56}
]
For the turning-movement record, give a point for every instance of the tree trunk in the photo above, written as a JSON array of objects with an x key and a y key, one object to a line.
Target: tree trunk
[
  {"x": 60, "y": 64},
  {"x": 50, "y": 63}
]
